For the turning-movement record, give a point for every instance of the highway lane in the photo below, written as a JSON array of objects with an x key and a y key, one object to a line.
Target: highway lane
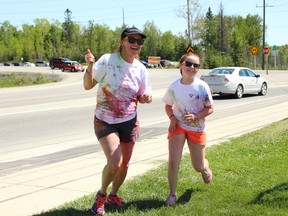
[{"x": 49, "y": 123}]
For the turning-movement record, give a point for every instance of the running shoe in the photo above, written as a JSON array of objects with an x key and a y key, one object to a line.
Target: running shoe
[
  {"x": 171, "y": 200},
  {"x": 115, "y": 200},
  {"x": 98, "y": 206}
]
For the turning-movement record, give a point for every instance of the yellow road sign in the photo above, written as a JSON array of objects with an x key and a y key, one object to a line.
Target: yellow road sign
[
  {"x": 254, "y": 49},
  {"x": 189, "y": 50}
]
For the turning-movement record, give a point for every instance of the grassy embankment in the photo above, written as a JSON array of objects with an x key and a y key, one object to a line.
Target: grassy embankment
[
  {"x": 250, "y": 178},
  {"x": 25, "y": 79}
]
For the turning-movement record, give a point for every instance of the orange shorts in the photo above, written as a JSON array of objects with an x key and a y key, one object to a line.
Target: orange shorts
[{"x": 194, "y": 137}]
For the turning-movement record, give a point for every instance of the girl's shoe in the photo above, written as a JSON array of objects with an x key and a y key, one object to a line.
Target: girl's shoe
[{"x": 171, "y": 200}]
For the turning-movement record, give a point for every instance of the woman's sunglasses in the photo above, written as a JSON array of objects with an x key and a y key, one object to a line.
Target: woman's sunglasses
[
  {"x": 139, "y": 41},
  {"x": 190, "y": 64}
]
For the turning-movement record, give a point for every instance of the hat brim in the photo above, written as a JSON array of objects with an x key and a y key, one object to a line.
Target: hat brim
[{"x": 135, "y": 33}]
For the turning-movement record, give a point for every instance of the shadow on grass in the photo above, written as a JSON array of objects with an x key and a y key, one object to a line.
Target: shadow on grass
[
  {"x": 66, "y": 212},
  {"x": 144, "y": 205},
  {"x": 187, "y": 196},
  {"x": 277, "y": 197},
  {"x": 139, "y": 205}
]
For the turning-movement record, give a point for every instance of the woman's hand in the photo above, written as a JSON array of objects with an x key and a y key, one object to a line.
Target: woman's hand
[{"x": 89, "y": 58}]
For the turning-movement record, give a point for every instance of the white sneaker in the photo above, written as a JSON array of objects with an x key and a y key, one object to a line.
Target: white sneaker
[{"x": 171, "y": 200}]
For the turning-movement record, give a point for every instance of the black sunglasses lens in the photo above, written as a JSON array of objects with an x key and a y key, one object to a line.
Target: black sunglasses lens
[
  {"x": 189, "y": 64},
  {"x": 140, "y": 41},
  {"x": 133, "y": 40}
]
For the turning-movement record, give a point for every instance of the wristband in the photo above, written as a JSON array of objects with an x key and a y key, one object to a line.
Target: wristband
[{"x": 88, "y": 73}]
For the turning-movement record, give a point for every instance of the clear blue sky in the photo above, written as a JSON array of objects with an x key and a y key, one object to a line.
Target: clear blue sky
[{"x": 162, "y": 12}]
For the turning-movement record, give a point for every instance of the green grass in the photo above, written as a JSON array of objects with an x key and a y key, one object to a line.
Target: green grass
[
  {"x": 250, "y": 178},
  {"x": 25, "y": 79}
]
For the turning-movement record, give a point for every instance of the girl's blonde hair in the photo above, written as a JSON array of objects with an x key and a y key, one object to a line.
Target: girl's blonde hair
[{"x": 183, "y": 57}]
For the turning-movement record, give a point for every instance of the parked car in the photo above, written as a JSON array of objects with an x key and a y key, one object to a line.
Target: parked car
[
  {"x": 29, "y": 64},
  {"x": 72, "y": 66},
  {"x": 235, "y": 80},
  {"x": 166, "y": 63},
  {"x": 8, "y": 64},
  {"x": 57, "y": 62},
  {"x": 42, "y": 63},
  {"x": 18, "y": 64},
  {"x": 147, "y": 65}
]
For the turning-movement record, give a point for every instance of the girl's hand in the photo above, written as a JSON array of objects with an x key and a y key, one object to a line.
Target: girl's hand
[
  {"x": 189, "y": 118},
  {"x": 173, "y": 123}
]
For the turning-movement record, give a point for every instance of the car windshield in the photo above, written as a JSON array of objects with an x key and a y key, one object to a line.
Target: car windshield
[{"x": 222, "y": 71}]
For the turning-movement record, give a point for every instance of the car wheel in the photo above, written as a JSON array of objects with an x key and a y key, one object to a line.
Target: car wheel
[
  {"x": 239, "y": 92},
  {"x": 72, "y": 69},
  {"x": 52, "y": 67},
  {"x": 263, "y": 90},
  {"x": 62, "y": 69}
]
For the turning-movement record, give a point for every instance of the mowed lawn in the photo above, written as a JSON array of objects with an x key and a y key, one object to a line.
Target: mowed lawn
[{"x": 250, "y": 178}]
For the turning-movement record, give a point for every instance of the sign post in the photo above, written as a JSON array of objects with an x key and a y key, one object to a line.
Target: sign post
[
  {"x": 254, "y": 51},
  {"x": 274, "y": 53},
  {"x": 266, "y": 52}
]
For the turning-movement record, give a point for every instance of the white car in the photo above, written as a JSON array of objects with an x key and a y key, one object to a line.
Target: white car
[
  {"x": 29, "y": 64},
  {"x": 235, "y": 80},
  {"x": 42, "y": 63}
]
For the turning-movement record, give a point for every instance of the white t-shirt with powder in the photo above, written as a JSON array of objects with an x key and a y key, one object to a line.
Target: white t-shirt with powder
[{"x": 192, "y": 98}]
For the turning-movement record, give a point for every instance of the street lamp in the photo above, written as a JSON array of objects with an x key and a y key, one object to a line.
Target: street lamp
[{"x": 122, "y": 11}]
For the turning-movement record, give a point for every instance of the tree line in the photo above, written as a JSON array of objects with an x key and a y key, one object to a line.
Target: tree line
[{"x": 218, "y": 39}]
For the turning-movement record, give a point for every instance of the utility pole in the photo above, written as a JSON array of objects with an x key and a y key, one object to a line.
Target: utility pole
[
  {"x": 189, "y": 27},
  {"x": 263, "y": 42}
]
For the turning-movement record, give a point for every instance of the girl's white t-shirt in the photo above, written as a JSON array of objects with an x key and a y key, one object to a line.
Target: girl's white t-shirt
[{"x": 192, "y": 98}]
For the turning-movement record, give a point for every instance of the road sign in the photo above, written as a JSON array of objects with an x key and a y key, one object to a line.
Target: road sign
[
  {"x": 274, "y": 52},
  {"x": 266, "y": 50},
  {"x": 155, "y": 60},
  {"x": 254, "y": 50},
  {"x": 189, "y": 50}
]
